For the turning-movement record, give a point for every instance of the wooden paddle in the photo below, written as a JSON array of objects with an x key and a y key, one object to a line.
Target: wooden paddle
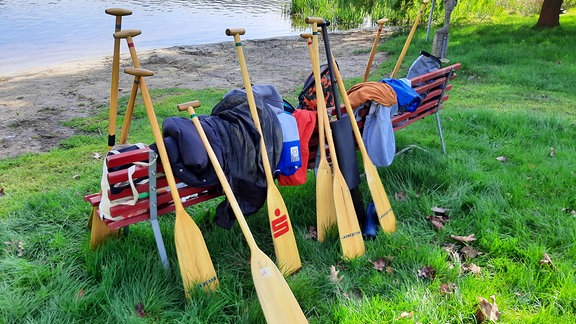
[
  {"x": 348, "y": 227},
  {"x": 325, "y": 209},
  {"x": 380, "y": 23},
  {"x": 99, "y": 231},
  {"x": 409, "y": 39},
  {"x": 285, "y": 246},
  {"x": 276, "y": 299},
  {"x": 383, "y": 209},
  {"x": 128, "y": 34},
  {"x": 196, "y": 266}
]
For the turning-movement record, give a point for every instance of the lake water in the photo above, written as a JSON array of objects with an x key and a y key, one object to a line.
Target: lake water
[{"x": 41, "y": 33}]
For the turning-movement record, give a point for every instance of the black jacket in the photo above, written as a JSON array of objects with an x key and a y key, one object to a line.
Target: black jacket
[{"x": 236, "y": 142}]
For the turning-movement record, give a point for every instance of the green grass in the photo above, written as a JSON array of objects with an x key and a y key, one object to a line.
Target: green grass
[{"x": 513, "y": 97}]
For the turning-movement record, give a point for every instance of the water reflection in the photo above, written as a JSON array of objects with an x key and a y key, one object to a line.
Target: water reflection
[{"x": 38, "y": 33}]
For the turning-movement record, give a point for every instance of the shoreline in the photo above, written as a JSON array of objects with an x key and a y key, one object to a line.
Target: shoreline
[{"x": 34, "y": 103}]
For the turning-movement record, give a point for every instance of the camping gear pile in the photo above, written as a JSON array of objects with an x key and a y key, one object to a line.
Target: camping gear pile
[{"x": 253, "y": 138}]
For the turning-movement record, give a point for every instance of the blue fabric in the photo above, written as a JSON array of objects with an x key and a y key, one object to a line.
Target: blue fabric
[
  {"x": 378, "y": 135},
  {"x": 408, "y": 98}
]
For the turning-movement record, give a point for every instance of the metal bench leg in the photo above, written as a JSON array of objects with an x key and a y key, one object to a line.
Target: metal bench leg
[
  {"x": 440, "y": 131},
  {"x": 154, "y": 210}
]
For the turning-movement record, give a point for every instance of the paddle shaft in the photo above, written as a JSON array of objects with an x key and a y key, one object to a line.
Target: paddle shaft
[
  {"x": 380, "y": 23},
  {"x": 408, "y": 40},
  {"x": 282, "y": 233},
  {"x": 331, "y": 62},
  {"x": 383, "y": 208},
  {"x": 119, "y": 13}
]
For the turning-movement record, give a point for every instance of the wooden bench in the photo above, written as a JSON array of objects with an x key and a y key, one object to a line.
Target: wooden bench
[{"x": 155, "y": 200}]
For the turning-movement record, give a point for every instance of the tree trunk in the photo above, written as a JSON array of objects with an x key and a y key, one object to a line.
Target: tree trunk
[{"x": 549, "y": 14}]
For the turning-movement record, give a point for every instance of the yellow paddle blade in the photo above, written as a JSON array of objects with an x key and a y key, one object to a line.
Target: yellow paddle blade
[
  {"x": 99, "y": 230},
  {"x": 348, "y": 227},
  {"x": 196, "y": 266},
  {"x": 325, "y": 210},
  {"x": 383, "y": 208},
  {"x": 285, "y": 247},
  {"x": 277, "y": 300}
]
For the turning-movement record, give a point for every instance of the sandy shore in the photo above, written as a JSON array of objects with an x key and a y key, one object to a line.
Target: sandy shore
[{"x": 33, "y": 105}]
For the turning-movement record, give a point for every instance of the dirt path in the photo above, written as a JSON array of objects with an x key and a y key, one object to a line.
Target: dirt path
[{"x": 34, "y": 105}]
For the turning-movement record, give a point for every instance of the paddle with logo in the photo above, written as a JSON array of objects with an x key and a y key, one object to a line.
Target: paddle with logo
[
  {"x": 285, "y": 246},
  {"x": 276, "y": 299},
  {"x": 348, "y": 228}
]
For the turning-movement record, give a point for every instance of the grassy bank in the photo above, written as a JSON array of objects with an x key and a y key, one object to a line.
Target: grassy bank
[{"x": 508, "y": 178}]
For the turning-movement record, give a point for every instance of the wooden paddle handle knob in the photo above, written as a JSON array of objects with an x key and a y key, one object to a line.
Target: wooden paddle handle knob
[
  {"x": 192, "y": 104},
  {"x": 311, "y": 20},
  {"x": 425, "y": 1},
  {"x": 306, "y": 35},
  {"x": 127, "y": 33},
  {"x": 138, "y": 72},
  {"x": 235, "y": 31},
  {"x": 382, "y": 21},
  {"x": 118, "y": 12}
]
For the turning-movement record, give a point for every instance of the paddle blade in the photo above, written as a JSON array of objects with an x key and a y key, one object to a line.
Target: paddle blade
[
  {"x": 99, "y": 231},
  {"x": 325, "y": 211},
  {"x": 383, "y": 208},
  {"x": 285, "y": 247},
  {"x": 348, "y": 227},
  {"x": 196, "y": 266},
  {"x": 277, "y": 300}
]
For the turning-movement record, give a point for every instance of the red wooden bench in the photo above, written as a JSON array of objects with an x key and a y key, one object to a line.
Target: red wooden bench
[{"x": 155, "y": 200}]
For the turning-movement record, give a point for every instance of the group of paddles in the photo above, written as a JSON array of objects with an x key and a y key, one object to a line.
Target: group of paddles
[{"x": 338, "y": 200}]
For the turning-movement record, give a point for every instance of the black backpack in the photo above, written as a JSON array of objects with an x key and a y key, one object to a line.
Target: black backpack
[{"x": 307, "y": 98}]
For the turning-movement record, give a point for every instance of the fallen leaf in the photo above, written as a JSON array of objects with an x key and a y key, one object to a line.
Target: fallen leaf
[
  {"x": 502, "y": 158},
  {"x": 438, "y": 221},
  {"x": 76, "y": 176},
  {"x": 464, "y": 239},
  {"x": 96, "y": 156},
  {"x": 401, "y": 195},
  {"x": 472, "y": 268},
  {"x": 470, "y": 252},
  {"x": 427, "y": 272},
  {"x": 353, "y": 294},
  {"x": 447, "y": 288},
  {"x": 2, "y": 193},
  {"x": 487, "y": 311},
  {"x": 15, "y": 247},
  {"x": 546, "y": 260},
  {"x": 406, "y": 314},
  {"x": 334, "y": 275},
  {"x": 440, "y": 211},
  {"x": 312, "y": 233},
  {"x": 379, "y": 264},
  {"x": 139, "y": 308},
  {"x": 389, "y": 270},
  {"x": 552, "y": 152}
]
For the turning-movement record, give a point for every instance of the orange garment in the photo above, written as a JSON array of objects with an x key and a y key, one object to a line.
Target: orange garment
[{"x": 380, "y": 92}]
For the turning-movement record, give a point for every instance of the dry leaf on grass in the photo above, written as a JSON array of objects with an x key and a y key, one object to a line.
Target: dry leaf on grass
[
  {"x": 546, "y": 260},
  {"x": 472, "y": 268},
  {"x": 487, "y": 311},
  {"x": 427, "y": 272},
  {"x": 2, "y": 193},
  {"x": 448, "y": 288},
  {"x": 470, "y": 252},
  {"x": 552, "y": 152},
  {"x": 406, "y": 315},
  {"x": 96, "y": 156},
  {"x": 312, "y": 233},
  {"x": 15, "y": 247},
  {"x": 139, "y": 308},
  {"x": 401, "y": 195},
  {"x": 464, "y": 239},
  {"x": 334, "y": 275},
  {"x": 440, "y": 211},
  {"x": 438, "y": 221},
  {"x": 502, "y": 158},
  {"x": 379, "y": 264}
]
